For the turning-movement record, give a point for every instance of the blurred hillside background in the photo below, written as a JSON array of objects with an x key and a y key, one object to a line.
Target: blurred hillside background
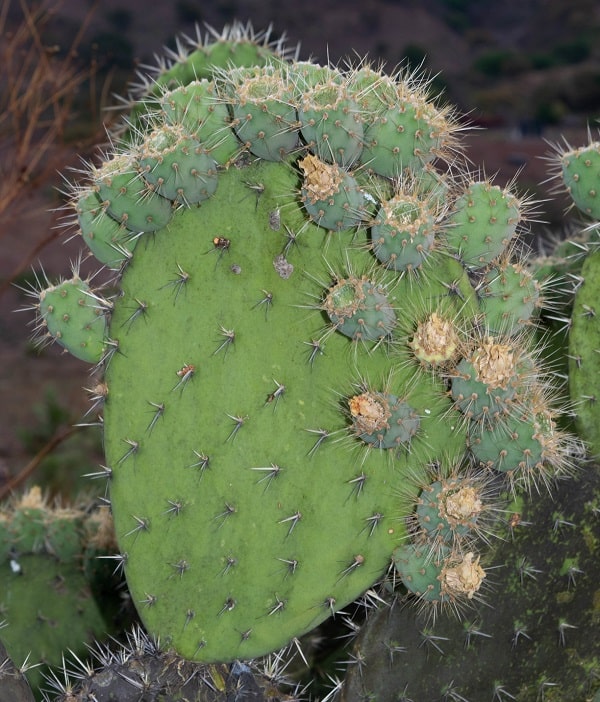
[{"x": 525, "y": 71}]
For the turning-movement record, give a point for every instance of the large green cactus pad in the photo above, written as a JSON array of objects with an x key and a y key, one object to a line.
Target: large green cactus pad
[
  {"x": 246, "y": 505},
  {"x": 276, "y": 388}
]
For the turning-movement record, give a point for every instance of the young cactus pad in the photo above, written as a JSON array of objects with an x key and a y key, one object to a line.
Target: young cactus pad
[{"x": 276, "y": 393}]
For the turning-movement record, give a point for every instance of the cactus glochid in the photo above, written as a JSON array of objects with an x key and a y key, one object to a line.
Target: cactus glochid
[{"x": 313, "y": 310}]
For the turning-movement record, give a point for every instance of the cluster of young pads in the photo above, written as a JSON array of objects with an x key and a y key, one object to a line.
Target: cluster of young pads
[{"x": 321, "y": 356}]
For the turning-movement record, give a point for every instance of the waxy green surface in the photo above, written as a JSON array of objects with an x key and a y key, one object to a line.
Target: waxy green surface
[{"x": 243, "y": 524}]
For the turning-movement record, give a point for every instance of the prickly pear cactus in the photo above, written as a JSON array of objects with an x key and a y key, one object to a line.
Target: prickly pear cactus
[
  {"x": 46, "y": 602},
  {"x": 578, "y": 171},
  {"x": 312, "y": 313}
]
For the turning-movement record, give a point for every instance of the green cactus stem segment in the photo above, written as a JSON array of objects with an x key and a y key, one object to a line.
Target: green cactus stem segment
[
  {"x": 580, "y": 170},
  {"x": 110, "y": 241},
  {"x": 177, "y": 166},
  {"x": 483, "y": 222},
  {"x": 373, "y": 91},
  {"x": 516, "y": 444},
  {"x": 509, "y": 298},
  {"x": 331, "y": 196},
  {"x": 403, "y": 234},
  {"x": 584, "y": 355},
  {"x": 484, "y": 384},
  {"x": 332, "y": 125},
  {"x": 449, "y": 509},
  {"x": 404, "y": 136},
  {"x": 264, "y": 119},
  {"x": 198, "y": 109},
  {"x": 445, "y": 577},
  {"x": 383, "y": 420},
  {"x": 528, "y": 447},
  {"x": 250, "y": 440},
  {"x": 75, "y": 319},
  {"x": 128, "y": 198},
  {"x": 360, "y": 309}
]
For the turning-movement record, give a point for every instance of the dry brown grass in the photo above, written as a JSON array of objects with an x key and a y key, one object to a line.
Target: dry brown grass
[
  {"x": 47, "y": 95},
  {"x": 39, "y": 85}
]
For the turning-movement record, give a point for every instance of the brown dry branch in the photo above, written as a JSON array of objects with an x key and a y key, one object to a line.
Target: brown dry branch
[{"x": 27, "y": 471}]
